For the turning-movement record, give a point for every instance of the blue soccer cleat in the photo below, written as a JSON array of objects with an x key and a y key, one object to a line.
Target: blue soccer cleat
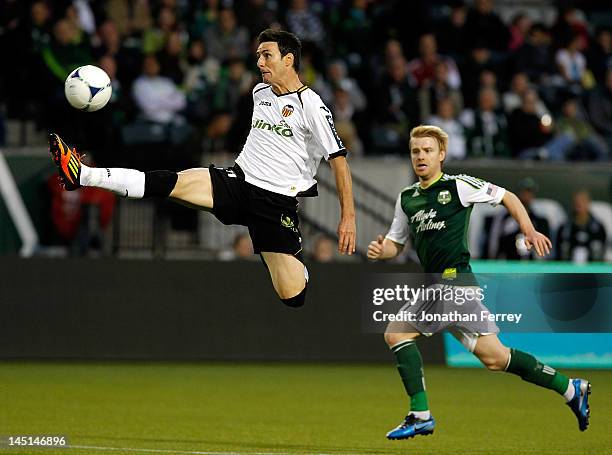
[
  {"x": 580, "y": 403},
  {"x": 411, "y": 427}
]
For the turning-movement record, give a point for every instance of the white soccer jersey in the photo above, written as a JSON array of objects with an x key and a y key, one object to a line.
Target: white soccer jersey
[{"x": 289, "y": 135}]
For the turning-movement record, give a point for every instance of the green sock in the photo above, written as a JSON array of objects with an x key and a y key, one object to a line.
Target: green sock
[
  {"x": 410, "y": 367},
  {"x": 531, "y": 370}
]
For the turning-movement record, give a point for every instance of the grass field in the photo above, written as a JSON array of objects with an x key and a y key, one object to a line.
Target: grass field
[{"x": 121, "y": 408}]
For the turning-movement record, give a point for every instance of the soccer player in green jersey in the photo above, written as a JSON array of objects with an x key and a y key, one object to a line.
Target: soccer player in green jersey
[{"x": 436, "y": 212}]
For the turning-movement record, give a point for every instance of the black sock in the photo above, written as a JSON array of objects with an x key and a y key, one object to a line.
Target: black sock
[{"x": 159, "y": 183}]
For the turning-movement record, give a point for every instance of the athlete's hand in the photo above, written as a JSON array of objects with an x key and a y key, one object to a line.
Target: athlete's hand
[
  {"x": 346, "y": 235},
  {"x": 376, "y": 248},
  {"x": 540, "y": 242}
]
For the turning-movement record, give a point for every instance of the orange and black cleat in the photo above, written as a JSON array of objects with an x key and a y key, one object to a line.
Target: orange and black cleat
[{"x": 68, "y": 162}]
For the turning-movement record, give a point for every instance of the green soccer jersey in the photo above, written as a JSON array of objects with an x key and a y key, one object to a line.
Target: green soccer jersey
[{"x": 437, "y": 218}]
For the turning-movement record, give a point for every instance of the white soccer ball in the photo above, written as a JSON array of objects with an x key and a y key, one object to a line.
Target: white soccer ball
[{"x": 88, "y": 88}]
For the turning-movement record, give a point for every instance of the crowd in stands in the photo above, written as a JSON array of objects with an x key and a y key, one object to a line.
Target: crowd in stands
[
  {"x": 183, "y": 71},
  {"x": 579, "y": 237}
]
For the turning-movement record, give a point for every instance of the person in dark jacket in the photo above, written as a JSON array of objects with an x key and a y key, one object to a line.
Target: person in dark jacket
[{"x": 583, "y": 238}]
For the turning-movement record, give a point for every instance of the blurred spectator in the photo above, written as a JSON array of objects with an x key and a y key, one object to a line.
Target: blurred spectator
[
  {"x": 600, "y": 109},
  {"x": 354, "y": 32},
  {"x": 338, "y": 78},
  {"x": 483, "y": 25},
  {"x": 572, "y": 65},
  {"x": 226, "y": 39},
  {"x": 343, "y": 110},
  {"x": 583, "y": 238},
  {"x": 80, "y": 217},
  {"x": 131, "y": 17},
  {"x": 423, "y": 68},
  {"x": 513, "y": 98},
  {"x": 479, "y": 60},
  {"x": 242, "y": 249},
  {"x": 171, "y": 59},
  {"x": 257, "y": 15},
  {"x": 83, "y": 16},
  {"x": 109, "y": 65},
  {"x": 203, "y": 16},
  {"x": 488, "y": 79},
  {"x": 66, "y": 51},
  {"x": 506, "y": 241},
  {"x": 241, "y": 120},
  {"x": 129, "y": 60},
  {"x": 519, "y": 29},
  {"x": 154, "y": 39},
  {"x": 55, "y": 37},
  {"x": 109, "y": 41},
  {"x": 486, "y": 128},
  {"x": 568, "y": 25},
  {"x": 311, "y": 76},
  {"x": 24, "y": 89},
  {"x": 40, "y": 24},
  {"x": 451, "y": 33},
  {"x": 446, "y": 119},
  {"x": 432, "y": 92},
  {"x": 585, "y": 143},
  {"x": 392, "y": 50},
  {"x": 200, "y": 80},
  {"x": 323, "y": 249},
  {"x": 527, "y": 129},
  {"x": 535, "y": 56},
  {"x": 102, "y": 128},
  {"x": 215, "y": 139},
  {"x": 302, "y": 21},
  {"x": 157, "y": 97},
  {"x": 234, "y": 81},
  {"x": 599, "y": 56},
  {"x": 396, "y": 106}
]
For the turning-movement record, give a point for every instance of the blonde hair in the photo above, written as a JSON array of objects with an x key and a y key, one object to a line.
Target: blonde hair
[{"x": 431, "y": 131}]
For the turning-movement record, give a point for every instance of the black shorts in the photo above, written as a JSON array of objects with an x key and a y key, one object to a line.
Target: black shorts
[{"x": 271, "y": 218}]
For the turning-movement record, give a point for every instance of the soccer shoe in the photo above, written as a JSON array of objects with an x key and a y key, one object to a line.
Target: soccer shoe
[
  {"x": 68, "y": 162},
  {"x": 580, "y": 403},
  {"x": 411, "y": 427}
]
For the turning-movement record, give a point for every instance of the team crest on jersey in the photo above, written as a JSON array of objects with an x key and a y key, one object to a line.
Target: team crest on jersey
[
  {"x": 444, "y": 197},
  {"x": 288, "y": 110}
]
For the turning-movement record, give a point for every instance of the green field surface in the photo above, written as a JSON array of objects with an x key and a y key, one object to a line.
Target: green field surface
[{"x": 220, "y": 408}]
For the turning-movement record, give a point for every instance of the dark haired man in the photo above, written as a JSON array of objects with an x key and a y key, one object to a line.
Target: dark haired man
[{"x": 291, "y": 131}]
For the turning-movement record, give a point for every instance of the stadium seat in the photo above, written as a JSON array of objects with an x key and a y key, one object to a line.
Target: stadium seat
[
  {"x": 476, "y": 231},
  {"x": 603, "y": 212},
  {"x": 552, "y": 211},
  {"x": 546, "y": 208}
]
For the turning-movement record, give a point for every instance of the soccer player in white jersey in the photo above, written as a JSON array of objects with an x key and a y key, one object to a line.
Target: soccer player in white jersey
[
  {"x": 291, "y": 131},
  {"x": 436, "y": 211}
]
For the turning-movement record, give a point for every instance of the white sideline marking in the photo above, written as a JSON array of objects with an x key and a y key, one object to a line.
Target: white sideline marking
[
  {"x": 190, "y": 452},
  {"x": 17, "y": 210}
]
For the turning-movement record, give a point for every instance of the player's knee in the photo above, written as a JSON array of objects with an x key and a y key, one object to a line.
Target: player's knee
[
  {"x": 297, "y": 300},
  {"x": 392, "y": 338},
  {"x": 496, "y": 362}
]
